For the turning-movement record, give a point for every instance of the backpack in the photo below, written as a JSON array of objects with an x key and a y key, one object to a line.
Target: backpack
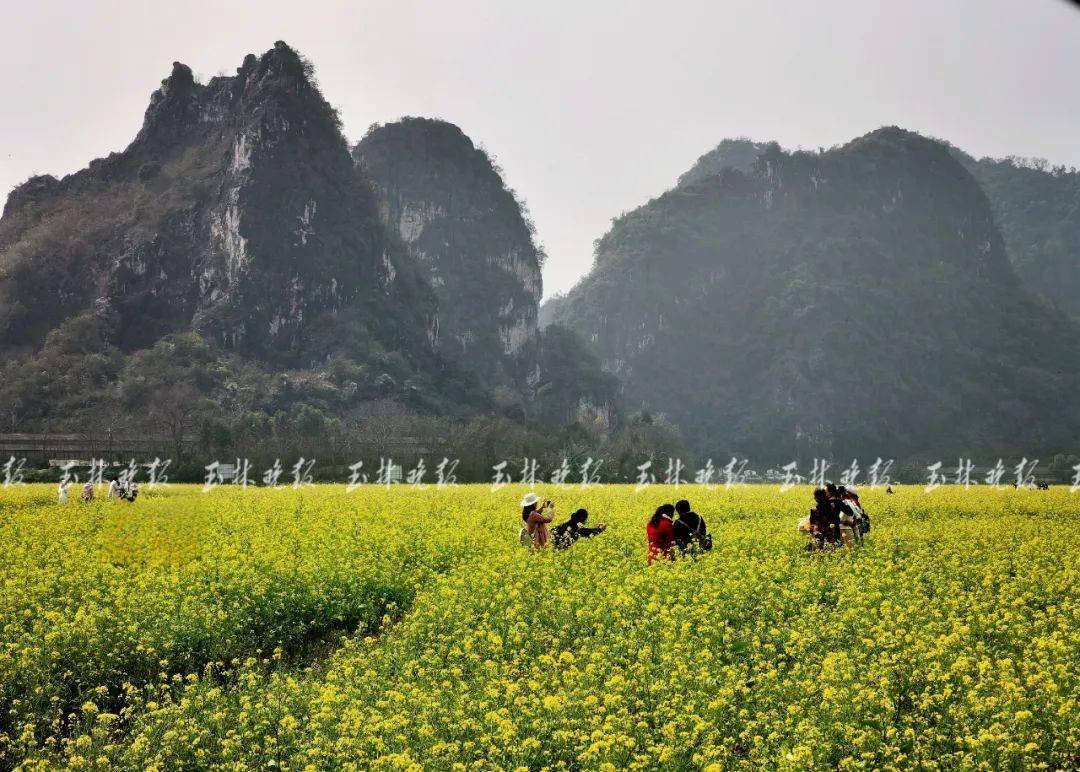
[
  {"x": 862, "y": 520},
  {"x": 704, "y": 540},
  {"x": 524, "y": 537}
]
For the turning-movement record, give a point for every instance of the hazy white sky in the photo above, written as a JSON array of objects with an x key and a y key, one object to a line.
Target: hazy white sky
[{"x": 591, "y": 108}]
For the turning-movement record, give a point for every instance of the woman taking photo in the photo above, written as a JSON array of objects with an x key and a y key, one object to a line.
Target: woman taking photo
[{"x": 534, "y": 521}]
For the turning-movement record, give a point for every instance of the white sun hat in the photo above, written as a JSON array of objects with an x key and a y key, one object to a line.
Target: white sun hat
[{"x": 529, "y": 500}]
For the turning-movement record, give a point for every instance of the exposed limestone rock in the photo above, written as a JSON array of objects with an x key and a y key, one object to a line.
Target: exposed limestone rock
[{"x": 450, "y": 206}]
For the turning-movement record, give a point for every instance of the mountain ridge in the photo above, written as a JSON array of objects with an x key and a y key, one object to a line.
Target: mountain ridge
[
  {"x": 236, "y": 271},
  {"x": 809, "y": 273}
]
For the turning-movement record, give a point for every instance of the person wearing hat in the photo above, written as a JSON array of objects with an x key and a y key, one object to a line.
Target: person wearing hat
[
  {"x": 565, "y": 534},
  {"x": 535, "y": 519}
]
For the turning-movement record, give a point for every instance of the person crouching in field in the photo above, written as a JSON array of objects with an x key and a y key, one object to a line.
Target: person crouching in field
[
  {"x": 843, "y": 515},
  {"x": 565, "y": 534},
  {"x": 661, "y": 533},
  {"x": 88, "y": 492},
  {"x": 862, "y": 520},
  {"x": 690, "y": 532},
  {"x": 534, "y": 528},
  {"x": 821, "y": 526}
]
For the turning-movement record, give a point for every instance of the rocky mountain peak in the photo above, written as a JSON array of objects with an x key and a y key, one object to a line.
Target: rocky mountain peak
[
  {"x": 448, "y": 202},
  {"x": 283, "y": 60},
  {"x": 173, "y": 108},
  {"x": 236, "y": 211}
]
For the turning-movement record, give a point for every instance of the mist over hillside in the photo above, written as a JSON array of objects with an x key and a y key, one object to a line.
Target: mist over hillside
[
  {"x": 855, "y": 301},
  {"x": 238, "y": 276}
]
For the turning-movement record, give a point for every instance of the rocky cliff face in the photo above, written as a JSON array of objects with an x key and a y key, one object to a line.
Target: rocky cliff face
[
  {"x": 856, "y": 301},
  {"x": 450, "y": 205},
  {"x": 236, "y": 212}
]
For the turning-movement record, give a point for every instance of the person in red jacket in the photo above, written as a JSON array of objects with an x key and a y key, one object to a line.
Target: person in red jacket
[{"x": 661, "y": 533}]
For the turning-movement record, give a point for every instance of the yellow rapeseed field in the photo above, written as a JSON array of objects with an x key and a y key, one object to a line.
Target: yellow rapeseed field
[{"x": 401, "y": 628}]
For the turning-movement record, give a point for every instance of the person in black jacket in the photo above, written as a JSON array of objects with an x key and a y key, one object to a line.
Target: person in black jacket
[
  {"x": 565, "y": 534},
  {"x": 690, "y": 531},
  {"x": 824, "y": 527},
  {"x": 842, "y": 515}
]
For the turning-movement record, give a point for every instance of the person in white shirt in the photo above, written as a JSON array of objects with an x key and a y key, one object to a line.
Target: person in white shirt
[
  {"x": 114, "y": 489},
  {"x": 62, "y": 491}
]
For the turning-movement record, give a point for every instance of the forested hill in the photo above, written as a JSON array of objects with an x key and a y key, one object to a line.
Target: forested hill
[
  {"x": 741, "y": 154},
  {"x": 234, "y": 273},
  {"x": 1037, "y": 208},
  {"x": 854, "y": 301},
  {"x": 239, "y": 274},
  {"x": 232, "y": 240},
  {"x": 236, "y": 213},
  {"x": 450, "y": 205}
]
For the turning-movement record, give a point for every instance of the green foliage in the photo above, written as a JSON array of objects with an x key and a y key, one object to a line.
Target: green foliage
[
  {"x": 472, "y": 236},
  {"x": 740, "y": 154},
  {"x": 1038, "y": 211},
  {"x": 573, "y": 386}
]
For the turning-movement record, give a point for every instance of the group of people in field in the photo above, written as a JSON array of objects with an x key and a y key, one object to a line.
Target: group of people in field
[
  {"x": 837, "y": 519},
  {"x": 673, "y": 529},
  {"x": 537, "y": 515},
  {"x": 125, "y": 491}
]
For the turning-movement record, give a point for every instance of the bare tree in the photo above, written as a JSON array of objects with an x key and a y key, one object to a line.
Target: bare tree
[
  {"x": 382, "y": 426},
  {"x": 176, "y": 410}
]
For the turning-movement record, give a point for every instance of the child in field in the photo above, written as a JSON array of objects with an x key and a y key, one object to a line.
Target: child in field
[
  {"x": 62, "y": 491},
  {"x": 565, "y": 534},
  {"x": 661, "y": 533},
  {"x": 88, "y": 492},
  {"x": 534, "y": 529}
]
